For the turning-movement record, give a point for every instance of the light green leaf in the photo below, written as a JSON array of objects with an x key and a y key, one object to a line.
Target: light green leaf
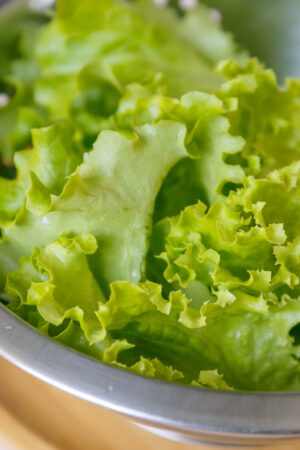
[
  {"x": 111, "y": 195},
  {"x": 211, "y": 379},
  {"x": 134, "y": 43},
  {"x": 45, "y": 168},
  {"x": 267, "y": 116},
  {"x": 59, "y": 282}
]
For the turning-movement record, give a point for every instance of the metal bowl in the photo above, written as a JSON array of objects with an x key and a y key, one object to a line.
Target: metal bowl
[
  {"x": 172, "y": 410},
  {"x": 178, "y": 412}
]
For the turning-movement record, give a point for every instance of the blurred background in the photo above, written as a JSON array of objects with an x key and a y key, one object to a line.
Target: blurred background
[{"x": 269, "y": 29}]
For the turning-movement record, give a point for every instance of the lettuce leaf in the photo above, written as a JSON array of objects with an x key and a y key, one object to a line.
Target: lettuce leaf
[
  {"x": 118, "y": 37},
  {"x": 208, "y": 135},
  {"x": 56, "y": 291},
  {"x": 190, "y": 346},
  {"x": 19, "y": 30},
  {"x": 45, "y": 167},
  {"x": 140, "y": 330},
  {"x": 235, "y": 244},
  {"x": 267, "y": 115},
  {"x": 57, "y": 272},
  {"x": 111, "y": 195},
  {"x": 153, "y": 219}
]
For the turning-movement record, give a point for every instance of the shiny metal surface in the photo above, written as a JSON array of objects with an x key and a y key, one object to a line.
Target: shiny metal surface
[
  {"x": 181, "y": 412},
  {"x": 174, "y": 411}
]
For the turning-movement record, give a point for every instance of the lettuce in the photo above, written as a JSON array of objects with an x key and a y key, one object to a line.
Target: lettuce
[
  {"x": 43, "y": 171},
  {"x": 19, "y": 30},
  {"x": 152, "y": 222},
  {"x": 116, "y": 37}
]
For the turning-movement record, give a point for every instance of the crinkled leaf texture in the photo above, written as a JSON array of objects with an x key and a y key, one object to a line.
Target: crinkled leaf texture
[
  {"x": 226, "y": 296},
  {"x": 40, "y": 172},
  {"x": 139, "y": 329},
  {"x": 19, "y": 31},
  {"x": 126, "y": 43},
  {"x": 52, "y": 72},
  {"x": 111, "y": 194},
  {"x": 267, "y": 116},
  {"x": 153, "y": 225}
]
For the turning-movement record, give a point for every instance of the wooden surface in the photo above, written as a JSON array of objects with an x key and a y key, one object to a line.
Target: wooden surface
[{"x": 35, "y": 416}]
